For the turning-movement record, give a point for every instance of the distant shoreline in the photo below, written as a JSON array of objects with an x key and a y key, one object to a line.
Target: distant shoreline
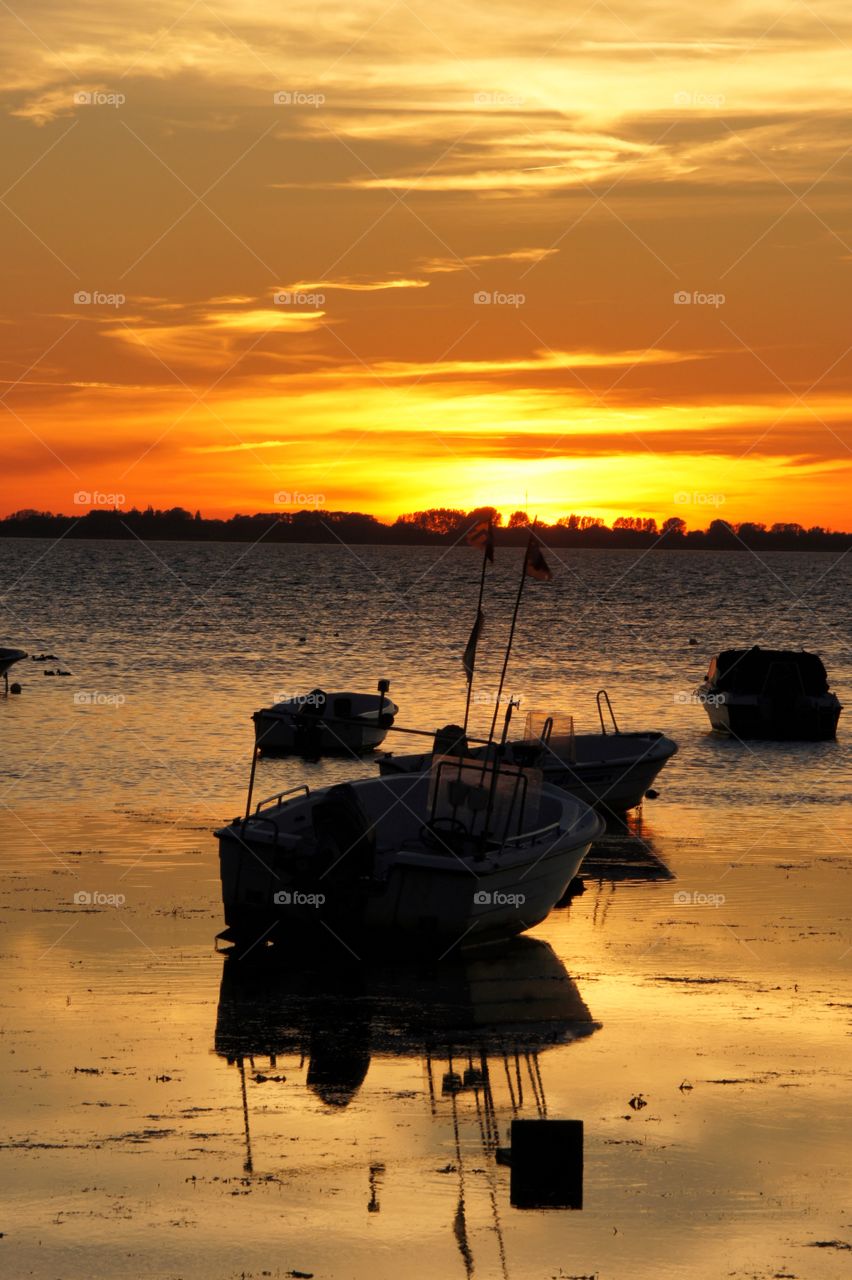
[{"x": 447, "y": 529}]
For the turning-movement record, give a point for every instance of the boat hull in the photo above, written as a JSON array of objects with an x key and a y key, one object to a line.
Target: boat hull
[
  {"x": 292, "y": 736},
  {"x": 280, "y": 877},
  {"x": 414, "y": 904},
  {"x": 612, "y": 785},
  {"x": 761, "y": 717},
  {"x": 8, "y": 658}
]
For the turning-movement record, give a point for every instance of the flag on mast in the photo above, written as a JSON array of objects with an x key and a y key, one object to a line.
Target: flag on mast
[
  {"x": 469, "y": 656},
  {"x": 481, "y": 535},
  {"x": 536, "y": 566}
]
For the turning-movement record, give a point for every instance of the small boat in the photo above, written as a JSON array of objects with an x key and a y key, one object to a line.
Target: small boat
[
  {"x": 460, "y": 855},
  {"x": 769, "y": 693},
  {"x": 320, "y": 723},
  {"x": 610, "y": 771},
  {"x": 8, "y": 658}
]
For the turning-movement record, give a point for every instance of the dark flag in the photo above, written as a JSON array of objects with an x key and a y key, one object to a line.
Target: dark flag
[
  {"x": 482, "y": 535},
  {"x": 469, "y": 657},
  {"x": 536, "y": 565}
]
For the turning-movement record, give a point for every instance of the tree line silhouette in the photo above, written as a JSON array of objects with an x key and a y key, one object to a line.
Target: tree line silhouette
[{"x": 434, "y": 526}]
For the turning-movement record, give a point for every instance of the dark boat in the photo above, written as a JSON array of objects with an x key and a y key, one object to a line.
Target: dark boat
[
  {"x": 770, "y": 693},
  {"x": 8, "y": 658}
]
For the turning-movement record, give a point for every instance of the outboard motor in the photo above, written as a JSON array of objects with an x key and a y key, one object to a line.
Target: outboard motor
[{"x": 450, "y": 741}]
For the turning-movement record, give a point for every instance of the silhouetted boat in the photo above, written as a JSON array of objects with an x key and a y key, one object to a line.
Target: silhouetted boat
[
  {"x": 769, "y": 693},
  {"x": 8, "y": 658},
  {"x": 455, "y": 857},
  {"x": 320, "y": 723},
  {"x": 609, "y": 770}
]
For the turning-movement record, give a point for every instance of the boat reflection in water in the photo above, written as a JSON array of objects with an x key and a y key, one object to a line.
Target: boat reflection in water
[
  {"x": 625, "y": 854},
  {"x": 479, "y": 1023}
]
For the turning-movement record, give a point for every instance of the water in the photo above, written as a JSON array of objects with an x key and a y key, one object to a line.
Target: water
[{"x": 704, "y": 972}]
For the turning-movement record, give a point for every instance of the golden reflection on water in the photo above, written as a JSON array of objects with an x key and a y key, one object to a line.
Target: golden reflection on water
[
  {"x": 704, "y": 973},
  {"x": 126, "y": 1038}
]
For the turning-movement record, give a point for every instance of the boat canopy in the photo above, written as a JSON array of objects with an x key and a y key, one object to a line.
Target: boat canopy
[{"x": 747, "y": 670}]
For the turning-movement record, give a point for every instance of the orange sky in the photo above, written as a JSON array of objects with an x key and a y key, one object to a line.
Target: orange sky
[{"x": 301, "y": 277}]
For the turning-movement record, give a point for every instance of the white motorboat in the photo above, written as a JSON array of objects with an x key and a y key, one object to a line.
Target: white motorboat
[
  {"x": 453, "y": 857},
  {"x": 320, "y": 723},
  {"x": 8, "y": 658},
  {"x": 611, "y": 771},
  {"x": 770, "y": 693}
]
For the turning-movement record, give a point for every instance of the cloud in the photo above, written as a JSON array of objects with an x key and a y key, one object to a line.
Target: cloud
[{"x": 355, "y": 286}]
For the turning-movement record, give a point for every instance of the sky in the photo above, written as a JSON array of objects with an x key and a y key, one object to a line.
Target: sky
[{"x": 382, "y": 256}]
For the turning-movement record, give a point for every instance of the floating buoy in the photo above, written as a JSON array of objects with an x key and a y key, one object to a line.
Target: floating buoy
[
  {"x": 692, "y": 640},
  {"x": 15, "y": 688},
  {"x": 651, "y": 794}
]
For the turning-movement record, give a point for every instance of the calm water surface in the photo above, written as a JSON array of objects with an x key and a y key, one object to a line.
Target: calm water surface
[{"x": 167, "y": 1113}]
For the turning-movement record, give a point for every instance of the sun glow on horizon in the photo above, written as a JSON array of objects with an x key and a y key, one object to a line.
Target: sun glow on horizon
[{"x": 606, "y": 276}]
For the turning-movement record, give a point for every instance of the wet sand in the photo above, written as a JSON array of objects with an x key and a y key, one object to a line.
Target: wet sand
[{"x": 707, "y": 1055}]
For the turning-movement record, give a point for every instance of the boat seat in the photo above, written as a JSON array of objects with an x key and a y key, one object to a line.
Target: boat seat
[
  {"x": 315, "y": 703},
  {"x": 342, "y": 827}
]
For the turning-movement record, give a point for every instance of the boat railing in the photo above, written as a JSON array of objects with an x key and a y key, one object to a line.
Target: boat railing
[
  {"x": 602, "y": 697},
  {"x": 271, "y": 801},
  {"x": 530, "y": 837}
]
